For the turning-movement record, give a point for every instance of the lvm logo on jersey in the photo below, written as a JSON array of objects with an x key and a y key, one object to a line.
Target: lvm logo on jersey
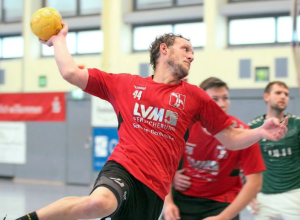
[{"x": 156, "y": 117}]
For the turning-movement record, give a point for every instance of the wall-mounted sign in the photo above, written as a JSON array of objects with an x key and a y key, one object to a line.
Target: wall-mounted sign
[
  {"x": 33, "y": 107},
  {"x": 13, "y": 142},
  {"x": 103, "y": 114},
  {"x": 104, "y": 142}
]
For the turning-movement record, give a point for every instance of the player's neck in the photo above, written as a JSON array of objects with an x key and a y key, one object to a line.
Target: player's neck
[
  {"x": 275, "y": 114},
  {"x": 164, "y": 75}
]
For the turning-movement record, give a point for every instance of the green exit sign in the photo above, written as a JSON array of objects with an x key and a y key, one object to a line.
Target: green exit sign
[{"x": 42, "y": 81}]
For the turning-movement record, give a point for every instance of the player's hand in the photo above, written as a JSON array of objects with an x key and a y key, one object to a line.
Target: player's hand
[
  {"x": 273, "y": 130},
  {"x": 181, "y": 182},
  {"x": 253, "y": 206},
  {"x": 171, "y": 212},
  {"x": 62, "y": 33}
]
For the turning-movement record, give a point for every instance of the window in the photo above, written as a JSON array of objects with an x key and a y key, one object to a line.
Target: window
[
  {"x": 71, "y": 44},
  {"x": 143, "y": 36},
  {"x": 90, "y": 7},
  {"x": 252, "y": 31},
  {"x": 80, "y": 42},
  {"x": 196, "y": 32},
  {"x": 11, "y": 47},
  {"x": 285, "y": 27},
  {"x": 89, "y": 42},
  {"x": 189, "y": 2},
  {"x": 247, "y": 0},
  {"x": 263, "y": 30},
  {"x": 70, "y": 7},
  {"x": 148, "y": 4},
  {"x": 12, "y": 10}
]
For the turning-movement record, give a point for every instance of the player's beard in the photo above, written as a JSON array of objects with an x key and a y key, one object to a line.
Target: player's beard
[
  {"x": 277, "y": 108},
  {"x": 178, "y": 70}
]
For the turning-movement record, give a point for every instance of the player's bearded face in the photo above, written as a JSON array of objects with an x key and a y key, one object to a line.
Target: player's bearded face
[
  {"x": 179, "y": 70},
  {"x": 278, "y": 98},
  {"x": 278, "y": 107}
]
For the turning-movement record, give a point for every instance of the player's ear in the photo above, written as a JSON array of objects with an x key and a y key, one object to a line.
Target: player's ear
[
  {"x": 266, "y": 97},
  {"x": 163, "y": 48}
]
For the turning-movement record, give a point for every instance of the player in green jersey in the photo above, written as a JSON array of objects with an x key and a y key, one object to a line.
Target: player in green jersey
[{"x": 280, "y": 194}]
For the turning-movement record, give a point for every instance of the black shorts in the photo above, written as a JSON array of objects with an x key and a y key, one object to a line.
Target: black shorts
[
  {"x": 135, "y": 200},
  {"x": 193, "y": 208}
]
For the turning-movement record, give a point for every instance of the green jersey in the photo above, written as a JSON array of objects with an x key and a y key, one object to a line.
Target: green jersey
[{"x": 282, "y": 158}]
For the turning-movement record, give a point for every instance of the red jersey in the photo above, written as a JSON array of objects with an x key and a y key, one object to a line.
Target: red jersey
[
  {"x": 214, "y": 170},
  {"x": 154, "y": 119}
]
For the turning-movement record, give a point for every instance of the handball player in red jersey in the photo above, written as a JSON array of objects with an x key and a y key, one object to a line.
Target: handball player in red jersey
[
  {"x": 208, "y": 182},
  {"x": 154, "y": 116}
]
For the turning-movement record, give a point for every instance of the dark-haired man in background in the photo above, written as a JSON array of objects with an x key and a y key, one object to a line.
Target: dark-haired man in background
[{"x": 279, "y": 198}]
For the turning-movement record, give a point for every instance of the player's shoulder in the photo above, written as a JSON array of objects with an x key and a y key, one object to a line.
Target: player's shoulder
[
  {"x": 293, "y": 119},
  {"x": 193, "y": 90},
  {"x": 98, "y": 71},
  {"x": 191, "y": 86},
  {"x": 137, "y": 79},
  {"x": 257, "y": 121},
  {"x": 237, "y": 123}
]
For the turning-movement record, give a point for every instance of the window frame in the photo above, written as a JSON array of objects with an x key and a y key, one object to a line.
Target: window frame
[
  {"x": 2, "y": 15},
  {"x": 275, "y": 16},
  {"x": 76, "y": 31},
  {"x": 1, "y": 47},
  {"x": 241, "y": 1},
  {"x": 173, "y": 23},
  {"x": 173, "y": 5},
  {"x": 77, "y": 11}
]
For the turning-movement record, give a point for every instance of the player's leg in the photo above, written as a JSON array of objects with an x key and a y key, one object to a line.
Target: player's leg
[
  {"x": 190, "y": 208},
  {"x": 153, "y": 208},
  {"x": 100, "y": 203},
  {"x": 290, "y": 205},
  {"x": 214, "y": 208},
  {"x": 268, "y": 209},
  {"x": 138, "y": 201}
]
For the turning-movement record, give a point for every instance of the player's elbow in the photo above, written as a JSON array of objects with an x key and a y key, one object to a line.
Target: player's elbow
[
  {"x": 68, "y": 74},
  {"x": 228, "y": 138},
  {"x": 257, "y": 187},
  {"x": 255, "y": 180},
  {"x": 230, "y": 144}
]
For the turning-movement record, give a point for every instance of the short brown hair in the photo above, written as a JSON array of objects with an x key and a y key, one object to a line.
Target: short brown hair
[
  {"x": 168, "y": 39},
  {"x": 212, "y": 82},
  {"x": 269, "y": 86}
]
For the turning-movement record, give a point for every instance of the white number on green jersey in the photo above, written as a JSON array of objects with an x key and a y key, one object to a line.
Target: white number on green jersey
[{"x": 277, "y": 153}]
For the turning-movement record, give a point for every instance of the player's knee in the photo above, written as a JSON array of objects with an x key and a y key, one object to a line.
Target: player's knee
[
  {"x": 96, "y": 204},
  {"x": 101, "y": 205}
]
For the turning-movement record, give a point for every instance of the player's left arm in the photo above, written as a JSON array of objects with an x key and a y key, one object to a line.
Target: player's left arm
[
  {"x": 236, "y": 138},
  {"x": 247, "y": 193}
]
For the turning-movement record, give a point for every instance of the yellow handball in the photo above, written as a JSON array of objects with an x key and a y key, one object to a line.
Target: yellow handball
[{"x": 45, "y": 23}]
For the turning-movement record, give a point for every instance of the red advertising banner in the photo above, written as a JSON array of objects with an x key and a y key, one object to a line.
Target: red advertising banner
[{"x": 33, "y": 107}]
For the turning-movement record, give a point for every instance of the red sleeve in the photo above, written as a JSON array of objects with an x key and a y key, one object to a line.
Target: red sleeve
[
  {"x": 251, "y": 157},
  {"x": 100, "y": 84},
  {"x": 211, "y": 116},
  {"x": 105, "y": 85},
  {"x": 252, "y": 161}
]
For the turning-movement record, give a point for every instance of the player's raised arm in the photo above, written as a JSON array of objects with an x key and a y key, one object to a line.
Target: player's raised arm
[
  {"x": 66, "y": 65},
  {"x": 236, "y": 139}
]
